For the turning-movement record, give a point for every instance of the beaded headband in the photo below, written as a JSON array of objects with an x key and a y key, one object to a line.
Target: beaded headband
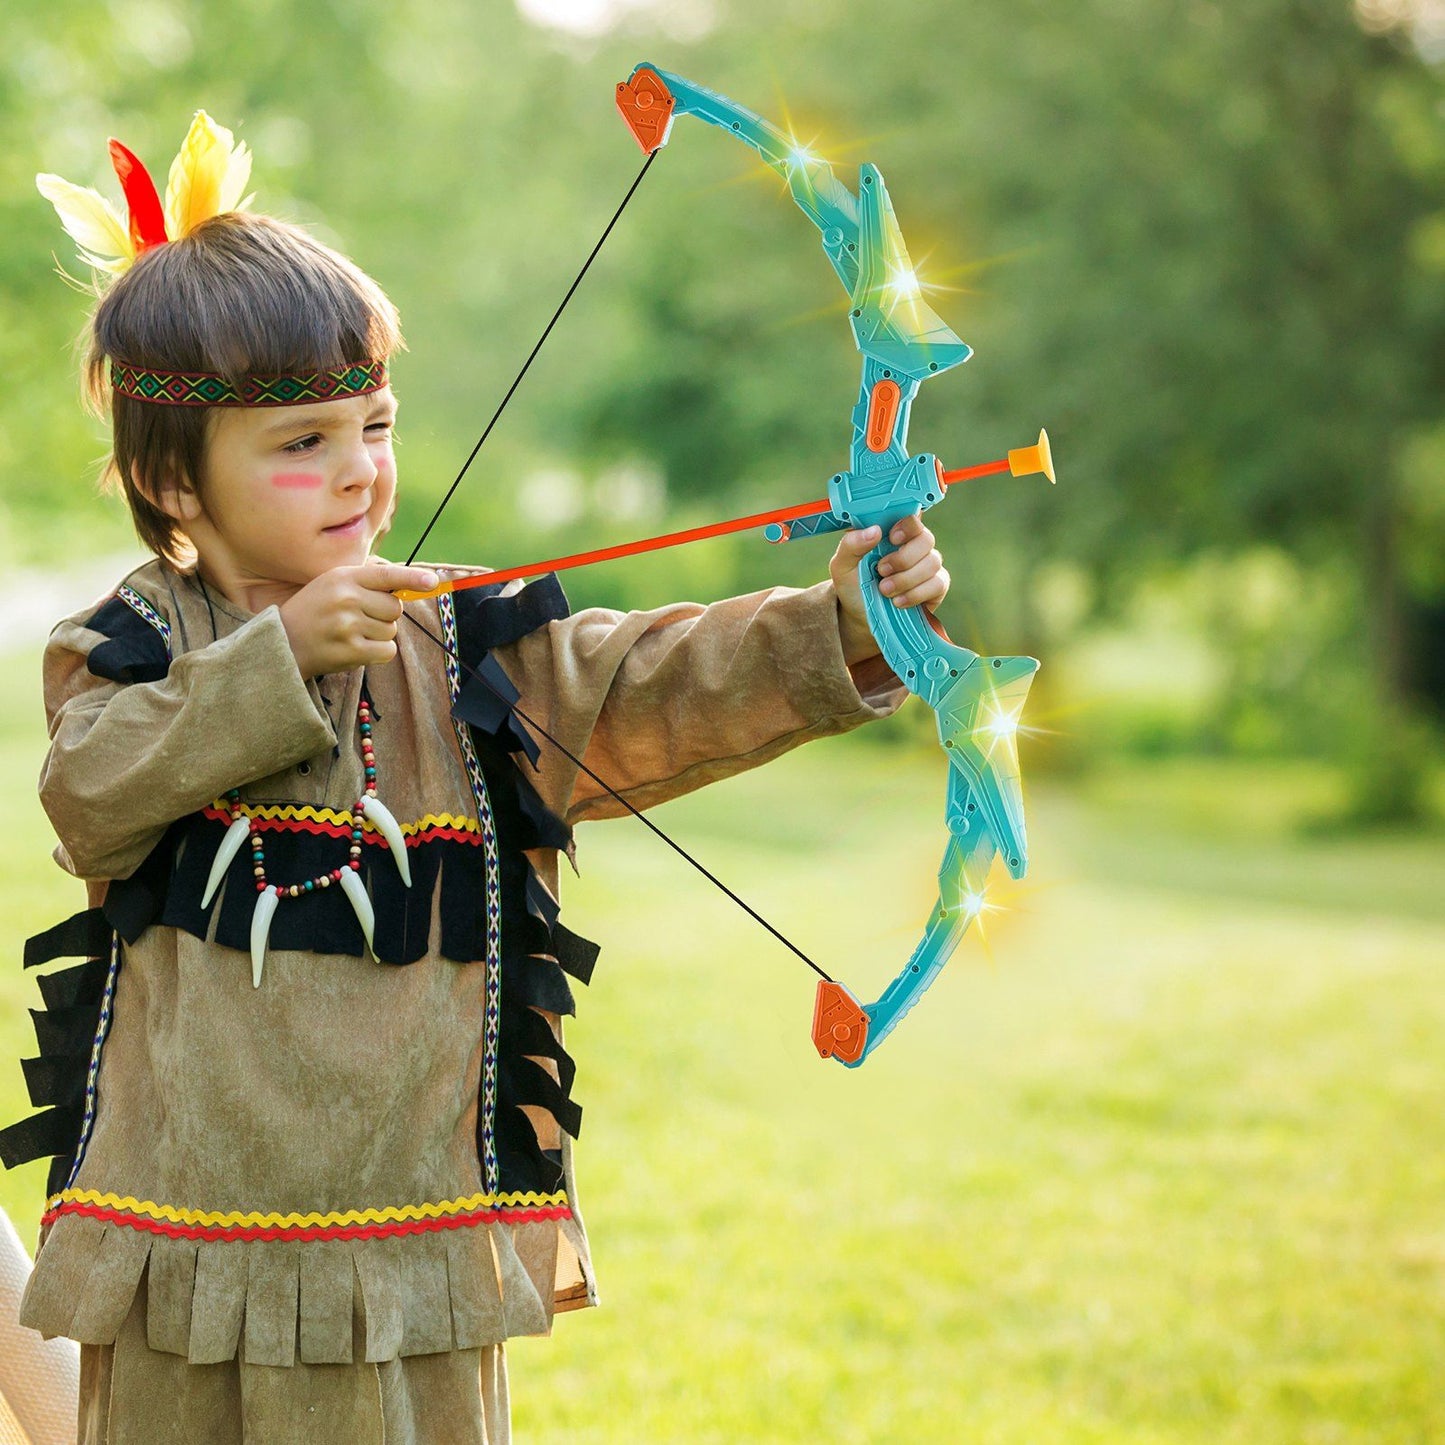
[{"x": 203, "y": 388}]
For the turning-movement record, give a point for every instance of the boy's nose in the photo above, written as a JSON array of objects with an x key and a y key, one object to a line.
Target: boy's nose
[{"x": 360, "y": 470}]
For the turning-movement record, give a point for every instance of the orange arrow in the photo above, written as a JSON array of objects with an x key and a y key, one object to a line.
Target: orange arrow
[{"x": 1022, "y": 462}]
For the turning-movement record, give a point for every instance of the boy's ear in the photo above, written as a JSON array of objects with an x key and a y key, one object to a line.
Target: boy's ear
[{"x": 173, "y": 495}]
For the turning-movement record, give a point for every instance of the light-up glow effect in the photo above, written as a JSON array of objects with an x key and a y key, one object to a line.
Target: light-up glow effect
[
  {"x": 998, "y": 727},
  {"x": 1003, "y": 725},
  {"x": 802, "y": 156},
  {"x": 978, "y": 909},
  {"x": 904, "y": 284}
]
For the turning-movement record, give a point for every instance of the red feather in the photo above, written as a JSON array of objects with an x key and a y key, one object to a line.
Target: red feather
[{"x": 147, "y": 219}]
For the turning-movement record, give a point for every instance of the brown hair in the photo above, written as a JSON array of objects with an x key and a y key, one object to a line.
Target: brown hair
[{"x": 241, "y": 295}]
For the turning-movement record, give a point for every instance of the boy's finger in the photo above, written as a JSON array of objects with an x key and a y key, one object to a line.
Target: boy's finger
[
  {"x": 906, "y": 527},
  {"x": 931, "y": 589},
  {"x": 378, "y": 629},
  {"x": 381, "y": 604},
  {"x": 375, "y": 654},
  {"x": 903, "y": 578},
  {"x": 910, "y": 554},
  {"x": 852, "y": 549},
  {"x": 392, "y": 577}
]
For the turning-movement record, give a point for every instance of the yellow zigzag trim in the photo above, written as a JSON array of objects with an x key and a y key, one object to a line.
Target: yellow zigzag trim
[
  {"x": 255, "y": 1220},
  {"x": 344, "y": 820}
]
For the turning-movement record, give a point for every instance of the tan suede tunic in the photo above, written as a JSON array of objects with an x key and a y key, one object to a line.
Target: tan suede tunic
[{"x": 290, "y": 1173}]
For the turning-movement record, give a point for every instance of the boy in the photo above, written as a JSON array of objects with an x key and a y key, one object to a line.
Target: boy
[{"x": 302, "y": 1190}]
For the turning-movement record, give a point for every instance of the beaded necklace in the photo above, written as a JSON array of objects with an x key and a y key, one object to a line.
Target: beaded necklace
[
  {"x": 322, "y": 880},
  {"x": 269, "y": 895}
]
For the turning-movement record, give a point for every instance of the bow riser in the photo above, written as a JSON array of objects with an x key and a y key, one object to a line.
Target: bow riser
[
  {"x": 883, "y": 499},
  {"x": 884, "y": 484}
]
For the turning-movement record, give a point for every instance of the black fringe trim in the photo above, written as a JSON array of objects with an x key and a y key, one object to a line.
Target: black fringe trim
[
  {"x": 447, "y": 876},
  {"x": 82, "y": 935},
  {"x": 486, "y": 619},
  {"x": 65, "y": 1033},
  {"x": 538, "y": 953}
]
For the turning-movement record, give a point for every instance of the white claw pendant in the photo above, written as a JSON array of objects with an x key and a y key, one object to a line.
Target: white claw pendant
[
  {"x": 260, "y": 931},
  {"x": 390, "y": 829},
  {"x": 355, "y": 890},
  {"x": 236, "y": 834}
]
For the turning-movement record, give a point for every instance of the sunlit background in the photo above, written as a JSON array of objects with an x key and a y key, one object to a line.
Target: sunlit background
[{"x": 1158, "y": 1161}]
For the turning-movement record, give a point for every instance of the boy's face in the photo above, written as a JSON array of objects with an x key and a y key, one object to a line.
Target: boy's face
[{"x": 290, "y": 492}]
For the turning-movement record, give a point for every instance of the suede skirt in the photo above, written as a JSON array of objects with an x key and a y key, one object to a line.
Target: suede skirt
[{"x": 131, "y": 1394}]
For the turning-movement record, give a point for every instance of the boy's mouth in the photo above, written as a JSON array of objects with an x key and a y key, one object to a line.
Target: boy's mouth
[{"x": 342, "y": 529}]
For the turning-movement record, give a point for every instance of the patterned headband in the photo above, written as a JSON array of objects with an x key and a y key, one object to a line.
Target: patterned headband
[{"x": 203, "y": 388}]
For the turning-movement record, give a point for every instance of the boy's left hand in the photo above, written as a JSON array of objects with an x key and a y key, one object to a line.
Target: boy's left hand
[{"x": 911, "y": 576}]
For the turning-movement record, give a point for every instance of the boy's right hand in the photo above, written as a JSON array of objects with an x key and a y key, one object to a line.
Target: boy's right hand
[{"x": 347, "y": 617}]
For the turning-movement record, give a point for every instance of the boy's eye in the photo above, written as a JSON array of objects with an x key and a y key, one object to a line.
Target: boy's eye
[
  {"x": 379, "y": 428},
  {"x": 304, "y": 444}
]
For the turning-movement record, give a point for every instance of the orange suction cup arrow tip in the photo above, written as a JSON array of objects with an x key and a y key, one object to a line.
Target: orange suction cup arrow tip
[
  {"x": 840, "y": 1027},
  {"x": 646, "y": 105},
  {"x": 1026, "y": 461}
]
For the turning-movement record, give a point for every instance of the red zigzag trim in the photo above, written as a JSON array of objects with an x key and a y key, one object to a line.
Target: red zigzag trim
[
  {"x": 338, "y": 830},
  {"x": 307, "y": 1232}
]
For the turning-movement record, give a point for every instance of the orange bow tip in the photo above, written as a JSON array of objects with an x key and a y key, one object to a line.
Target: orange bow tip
[{"x": 840, "y": 1024}]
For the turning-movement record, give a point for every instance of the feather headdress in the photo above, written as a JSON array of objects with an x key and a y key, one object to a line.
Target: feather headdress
[{"x": 206, "y": 179}]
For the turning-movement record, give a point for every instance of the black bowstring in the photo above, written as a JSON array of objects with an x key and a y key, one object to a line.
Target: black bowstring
[
  {"x": 517, "y": 381},
  {"x": 532, "y": 722},
  {"x": 617, "y": 797}
]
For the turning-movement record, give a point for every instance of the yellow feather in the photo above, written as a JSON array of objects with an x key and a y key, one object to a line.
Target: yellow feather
[
  {"x": 92, "y": 222},
  {"x": 207, "y": 176}
]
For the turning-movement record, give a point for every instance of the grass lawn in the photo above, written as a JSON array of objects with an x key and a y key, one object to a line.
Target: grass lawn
[{"x": 1161, "y": 1163}]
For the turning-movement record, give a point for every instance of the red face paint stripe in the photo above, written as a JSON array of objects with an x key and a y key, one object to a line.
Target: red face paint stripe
[{"x": 301, "y": 481}]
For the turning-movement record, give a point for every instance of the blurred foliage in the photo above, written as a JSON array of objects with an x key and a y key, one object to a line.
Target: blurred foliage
[{"x": 1203, "y": 244}]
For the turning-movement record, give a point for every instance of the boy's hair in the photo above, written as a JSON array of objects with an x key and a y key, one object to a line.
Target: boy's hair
[{"x": 239, "y": 296}]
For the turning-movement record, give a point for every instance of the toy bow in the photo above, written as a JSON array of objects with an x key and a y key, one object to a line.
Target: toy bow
[{"x": 976, "y": 700}]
